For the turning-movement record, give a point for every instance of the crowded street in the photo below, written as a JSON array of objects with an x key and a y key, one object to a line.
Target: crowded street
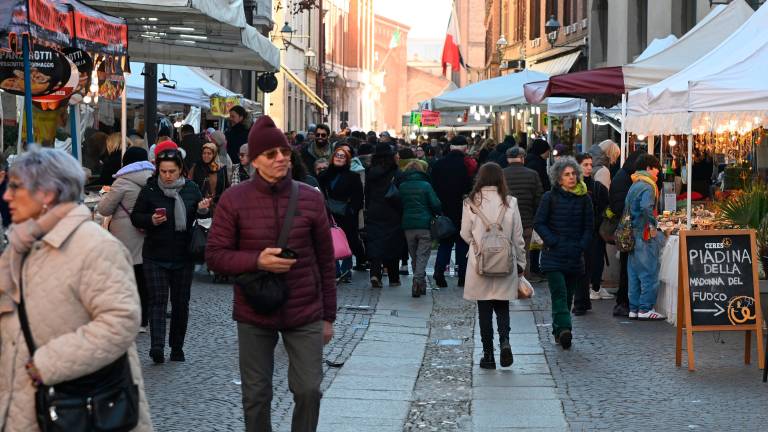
[{"x": 383, "y": 215}]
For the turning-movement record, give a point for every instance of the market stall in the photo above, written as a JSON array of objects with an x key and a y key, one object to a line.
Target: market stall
[{"x": 719, "y": 104}]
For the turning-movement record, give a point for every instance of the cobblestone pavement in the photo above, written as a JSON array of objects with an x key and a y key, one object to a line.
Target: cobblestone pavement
[
  {"x": 621, "y": 375},
  {"x": 443, "y": 390},
  {"x": 203, "y": 394}
]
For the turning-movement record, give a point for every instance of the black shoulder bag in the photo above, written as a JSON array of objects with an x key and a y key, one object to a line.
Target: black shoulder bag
[
  {"x": 103, "y": 401},
  {"x": 266, "y": 292}
]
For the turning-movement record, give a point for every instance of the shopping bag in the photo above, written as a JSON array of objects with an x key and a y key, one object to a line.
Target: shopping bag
[{"x": 524, "y": 289}]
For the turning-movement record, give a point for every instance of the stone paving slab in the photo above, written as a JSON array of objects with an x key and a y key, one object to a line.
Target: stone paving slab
[
  {"x": 374, "y": 388},
  {"x": 521, "y": 393},
  {"x": 519, "y": 413}
]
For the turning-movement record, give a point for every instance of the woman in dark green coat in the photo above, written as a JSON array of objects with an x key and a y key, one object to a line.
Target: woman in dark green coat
[{"x": 420, "y": 205}]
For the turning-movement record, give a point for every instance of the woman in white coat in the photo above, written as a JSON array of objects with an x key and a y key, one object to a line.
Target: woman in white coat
[
  {"x": 118, "y": 203},
  {"x": 489, "y": 196}
]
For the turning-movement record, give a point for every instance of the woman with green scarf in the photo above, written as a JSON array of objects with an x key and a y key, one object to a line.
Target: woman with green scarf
[{"x": 564, "y": 221}]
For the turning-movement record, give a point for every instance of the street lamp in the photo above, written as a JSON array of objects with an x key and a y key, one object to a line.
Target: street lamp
[
  {"x": 551, "y": 27},
  {"x": 287, "y": 34},
  {"x": 501, "y": 45}
]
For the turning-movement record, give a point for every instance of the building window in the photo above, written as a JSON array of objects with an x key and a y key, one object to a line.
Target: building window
[
  {"x": 551, "y": 8},
  {"x": 639, "y": 35},
  {"x": 519, "y": 21},
  {"x": 535, "y": 21},
  {"x": 688, "y": 15},
  {"x": 568, "y": 15},
  {"x": 584, "y": 4}
]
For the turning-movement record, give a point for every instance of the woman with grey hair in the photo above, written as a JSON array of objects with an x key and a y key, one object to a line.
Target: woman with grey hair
[
  {"x": 564, "y": 221},
  {"x": 73, "y": 282},
  {"x": 243, "y": 171}
]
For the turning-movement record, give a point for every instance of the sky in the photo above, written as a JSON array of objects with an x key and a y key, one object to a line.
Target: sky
[{"x": 428, "y": 19}]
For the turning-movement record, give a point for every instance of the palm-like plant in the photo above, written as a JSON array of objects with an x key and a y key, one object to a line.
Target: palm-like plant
[{"x": 748, "y": 208}]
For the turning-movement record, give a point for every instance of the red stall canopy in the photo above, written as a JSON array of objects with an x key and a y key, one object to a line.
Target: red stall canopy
[{"x": 603, "y": 87}]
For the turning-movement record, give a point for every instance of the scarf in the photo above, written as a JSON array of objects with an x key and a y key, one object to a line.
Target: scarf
[
  {"x": 646, "y": 177},
  {"x": 22, "y": 236},
  {"x": 579, "y": 190},
  {"x": 179, "y": 209}
]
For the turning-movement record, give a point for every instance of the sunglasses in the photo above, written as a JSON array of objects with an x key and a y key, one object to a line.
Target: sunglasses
[
  {"x": 321, "y": 135},
  {"x": 171, "y": 154},
  {"x": 340, "y": 155},
  {"x": 271, "y": 154}
]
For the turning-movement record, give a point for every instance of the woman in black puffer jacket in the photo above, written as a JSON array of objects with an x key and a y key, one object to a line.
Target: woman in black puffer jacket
[
  {"x": 166, "y": 209},
  {"x": 343, "y": 192},
  {"x": 564, "y": 221}
]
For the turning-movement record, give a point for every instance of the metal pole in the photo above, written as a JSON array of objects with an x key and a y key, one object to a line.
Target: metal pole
[
  {"x": 73, "y": 131},
  {"x": 124, "y": 120},
  {"x": 623, "y": 128},
  {"x": 150, "y": 103},
  {"x": 689, "y": 175},
  {"x": 586, "y": 129},
  {"x": 27, "y": 88}
]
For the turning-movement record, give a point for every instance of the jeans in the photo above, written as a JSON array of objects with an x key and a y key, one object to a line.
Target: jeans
[
  {"x": 419, "y": 246},
  {"x": 304, "y": 346},
  {"x": 485, "y": 310},
  {"x": 643, "y": 273},
  {"x": 349, "y": 224},
  {"x": 444, "y": 254},
  {"x": 562, "y": 287},
  {"x": 343, "y": 266}
]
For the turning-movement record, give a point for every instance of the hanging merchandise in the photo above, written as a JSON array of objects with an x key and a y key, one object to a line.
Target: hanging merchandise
[
  {"x": 220, "y": 105},
  {"x": 111, "y": 79},
  {"x": 44, "y": 125}
]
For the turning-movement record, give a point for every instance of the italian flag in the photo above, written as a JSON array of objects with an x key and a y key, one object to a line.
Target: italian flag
[{"x": 451, "y": 51}]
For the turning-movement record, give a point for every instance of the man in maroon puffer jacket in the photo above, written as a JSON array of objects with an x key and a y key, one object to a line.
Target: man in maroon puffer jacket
[{"x": 243, "y": 239}]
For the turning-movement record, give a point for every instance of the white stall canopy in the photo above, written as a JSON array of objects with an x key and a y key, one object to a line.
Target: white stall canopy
[
  {"x": 502, "y": 92},
  {"x": 193, "y": 86},
  {"x": 664, "y": 107},
  {"x": 205, "y": 33}
]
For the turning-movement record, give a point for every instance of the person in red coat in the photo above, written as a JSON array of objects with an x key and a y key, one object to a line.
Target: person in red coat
[{"x": 243, "y": 239}]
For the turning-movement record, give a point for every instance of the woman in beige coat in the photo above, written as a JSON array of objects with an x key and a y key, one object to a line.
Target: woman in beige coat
[
  {"x": 78, "y": 286},
  {"x": 118, "y": 203},
  {"x": 489, "y": 196}
]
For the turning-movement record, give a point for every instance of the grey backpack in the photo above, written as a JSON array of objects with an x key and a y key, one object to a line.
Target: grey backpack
[{"x": 494, "y": 250}]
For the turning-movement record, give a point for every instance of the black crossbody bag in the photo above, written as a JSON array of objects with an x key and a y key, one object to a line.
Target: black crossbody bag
[
  {"x": 103, "y": 401},
  {"x": 266, "y": 292}
]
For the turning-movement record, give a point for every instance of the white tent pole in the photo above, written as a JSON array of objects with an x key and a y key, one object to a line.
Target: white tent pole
[
  {"x": 689, "y": 175},
  {"x": 623, "y": 128},
  {"x": 124, "y": 120},
  {"x": 20, "y": 116}
]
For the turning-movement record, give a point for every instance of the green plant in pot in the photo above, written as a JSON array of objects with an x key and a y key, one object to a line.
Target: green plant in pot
[{"x": 749, "y": 210}]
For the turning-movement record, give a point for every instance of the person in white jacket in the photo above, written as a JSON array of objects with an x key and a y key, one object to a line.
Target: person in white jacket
[{"x": 489, "y": 197}]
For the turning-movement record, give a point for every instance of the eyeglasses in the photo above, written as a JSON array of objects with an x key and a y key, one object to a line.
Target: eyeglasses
[
  {"x": 271, "y": 154},
  {"x": 340, "y": 155}
]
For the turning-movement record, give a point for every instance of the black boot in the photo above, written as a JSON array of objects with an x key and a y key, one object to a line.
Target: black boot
[
  {"x": 415, "y": 290},
  {"x": 177, "y": 355},
  {"x": 157, "y": 355},
  {"x": 505, "y": 358},
  {"x": 440, "y": 279},
  {"x": 460, "y": 283},
  {"x": 487, "y": 361},
  {"x": 423, "y": 287},
  {"x": 566, "y": 338}
]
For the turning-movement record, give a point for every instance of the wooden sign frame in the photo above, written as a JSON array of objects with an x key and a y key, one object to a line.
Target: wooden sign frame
[{"x": 684, "y": 315}]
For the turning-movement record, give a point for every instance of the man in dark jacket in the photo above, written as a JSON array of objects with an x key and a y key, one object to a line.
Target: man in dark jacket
[
  {"x": 537, "y": 161},
  {"x": 191, "y": 144},
  {"x": 524, "y": 184},
  {"x": 237, "y": 134},
  {"x": 499, "y": 154},
  {"x": 620, "y": 185},
  {"x": 243, "y": 239},
  {"x": 452, "y": 182},
  {"x": 320, "y": 148}
]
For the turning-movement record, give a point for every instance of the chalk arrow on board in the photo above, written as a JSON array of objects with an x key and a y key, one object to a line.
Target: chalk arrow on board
[{"x": 717, "y": 311}]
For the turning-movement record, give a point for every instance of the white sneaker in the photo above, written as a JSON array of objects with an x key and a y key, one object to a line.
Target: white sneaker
[
  {"x": 605, "y": 295},
  {"x": 651, "y": 315},
  {"x": 143, "y": 329},
  {"x": 632, "y": 315},
  {"x": 594, "y": 295}
]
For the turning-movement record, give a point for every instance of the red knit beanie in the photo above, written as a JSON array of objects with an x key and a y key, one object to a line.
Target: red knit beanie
[
  {"x": 165, "y": 145},
  {"x": 264, "y": 135}
]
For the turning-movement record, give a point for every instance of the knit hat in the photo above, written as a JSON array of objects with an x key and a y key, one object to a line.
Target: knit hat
[
  {"x": 264, "y": 136},
  {"x": 134, "y": 154},
  {"x": 165, "y": 145},
  {"x": 218, "y": 138},
  {"x": 539, "y": 147}
]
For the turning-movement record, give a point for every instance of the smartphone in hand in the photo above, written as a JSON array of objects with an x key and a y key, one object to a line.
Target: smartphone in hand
[
  {"x": 288, "y": 254},
  {"x": 160, "y": 212}
]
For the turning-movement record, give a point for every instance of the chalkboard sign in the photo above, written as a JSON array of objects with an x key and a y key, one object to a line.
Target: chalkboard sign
[
  {"x": 721, "y": 279},
  {"x": 718, "y": 289}
]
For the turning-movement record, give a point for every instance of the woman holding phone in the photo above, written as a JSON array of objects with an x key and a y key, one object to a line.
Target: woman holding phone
[{"x": 165, "y": 209}]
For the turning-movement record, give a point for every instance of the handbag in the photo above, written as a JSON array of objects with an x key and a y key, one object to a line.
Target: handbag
[
  {"x": 266, "y": 292},
  {"x": 198, "y": 241},
  {"x": 624, "y": 235},
  {"x": 607, "y": 229},
  {"x": 341, "y": 249},
  {"x": 442, "y": 227},
  {"x": 103, "y": 401},
  {"x": 337, "y": 207}
]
